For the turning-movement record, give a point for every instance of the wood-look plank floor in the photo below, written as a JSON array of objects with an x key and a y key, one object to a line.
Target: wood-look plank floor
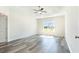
[{"x": 37, "y": 44}]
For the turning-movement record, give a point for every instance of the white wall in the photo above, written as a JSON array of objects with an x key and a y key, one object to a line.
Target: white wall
[
  {"x": 59, "y": 25},
  {"x": 72, "y": 18},
  {"x": 21, "y": 22}
]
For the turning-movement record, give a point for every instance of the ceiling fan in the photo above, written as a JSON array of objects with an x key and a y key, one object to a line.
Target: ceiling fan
[{"x": 40, "y": 10}]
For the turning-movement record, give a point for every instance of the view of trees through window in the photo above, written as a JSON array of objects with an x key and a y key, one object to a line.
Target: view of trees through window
[{"x": 48, "y": 25}]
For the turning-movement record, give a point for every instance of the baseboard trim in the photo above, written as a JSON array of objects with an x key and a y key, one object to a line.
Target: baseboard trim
[
  {"x": 15, "y": 40},
  {"x": 68, "y": 46}
]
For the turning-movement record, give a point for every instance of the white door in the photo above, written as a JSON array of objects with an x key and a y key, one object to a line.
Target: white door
[{"x": 3, "y": 29}]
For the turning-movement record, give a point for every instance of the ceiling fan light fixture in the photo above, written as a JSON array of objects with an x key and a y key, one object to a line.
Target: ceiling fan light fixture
[{"x": 40, "y": 10}]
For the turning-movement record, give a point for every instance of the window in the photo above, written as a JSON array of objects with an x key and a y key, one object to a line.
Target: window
[{"x": 48, "y": 24}]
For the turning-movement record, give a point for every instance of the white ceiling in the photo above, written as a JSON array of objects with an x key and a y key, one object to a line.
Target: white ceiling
[{"x": 51, "y": 10}]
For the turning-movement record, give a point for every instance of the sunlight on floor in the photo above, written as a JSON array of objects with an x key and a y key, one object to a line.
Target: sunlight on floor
[
  {"x": 48, "y": 31},
  {"x": 46, "y": 36}
]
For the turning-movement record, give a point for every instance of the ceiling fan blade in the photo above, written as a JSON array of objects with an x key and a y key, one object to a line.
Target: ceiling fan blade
[
  {"x": 44, "y": 11},
  {"x": 35, "y": 12}
]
